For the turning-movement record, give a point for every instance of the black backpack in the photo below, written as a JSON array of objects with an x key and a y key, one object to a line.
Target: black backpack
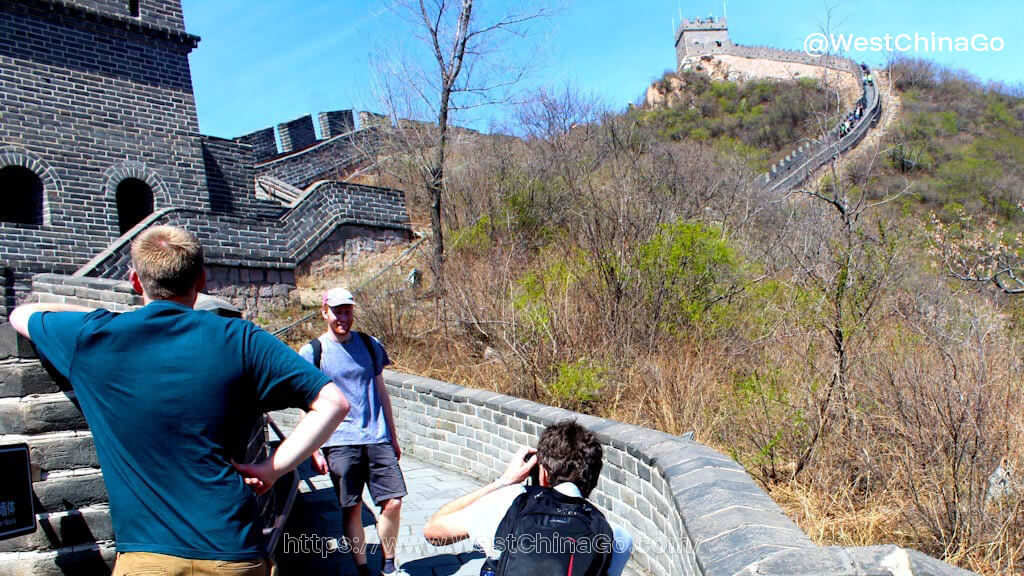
[
  {"x": 318, "y": 350},
  {"x": 546, "y": 533}
]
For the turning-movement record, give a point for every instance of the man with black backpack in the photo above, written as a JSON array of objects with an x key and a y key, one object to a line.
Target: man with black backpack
[
  {"x": 364, "y": 449},
  {"x": 545, "y": 529}
]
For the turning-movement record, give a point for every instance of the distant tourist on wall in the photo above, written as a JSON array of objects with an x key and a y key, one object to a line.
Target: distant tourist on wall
[
  {"x": 364, "y": 450},
  {"x": 171, "y": 395},
  {"x": 546, "y": 528}
]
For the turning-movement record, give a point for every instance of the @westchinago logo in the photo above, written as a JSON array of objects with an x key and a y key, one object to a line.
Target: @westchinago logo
[{"x": 819, "y": 43}]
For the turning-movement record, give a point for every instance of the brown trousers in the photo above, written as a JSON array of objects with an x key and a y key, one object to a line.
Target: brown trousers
[{"x": 150, "y": 564}]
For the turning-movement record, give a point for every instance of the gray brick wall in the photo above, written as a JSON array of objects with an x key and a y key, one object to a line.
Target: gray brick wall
[
  {"x": 691, "y": 509},
  {"x": 162, "y": 14},
  {"x": 263, "y": 142},
  {"x": 81, "y": 96},
  {"x": 277, "y": 243},
  {"x": 230, "y": 180}
]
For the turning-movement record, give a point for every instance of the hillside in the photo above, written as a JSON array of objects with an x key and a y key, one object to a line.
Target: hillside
[
  {"x": 628, "y": 265},
  {"x": 763, "y": 117}
]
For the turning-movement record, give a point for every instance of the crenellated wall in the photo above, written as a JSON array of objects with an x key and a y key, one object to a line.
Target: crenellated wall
[
  {"x": 329, "y": 159},
  {"x": 798, "y": 165},
  {"x": 296, "y": 134}
]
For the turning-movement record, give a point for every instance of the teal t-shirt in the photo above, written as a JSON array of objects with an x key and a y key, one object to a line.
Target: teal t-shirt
[{"x": 171, "y": 396}]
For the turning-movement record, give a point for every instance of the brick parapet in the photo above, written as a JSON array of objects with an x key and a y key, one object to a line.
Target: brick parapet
[
  {"x": 798, "y": 165},
  {"x": 156, "y": 17},
  {"x": 276, "y": 243},
  {"x": 336, "y": 123},
  {"x": 333, "y": 158},
  {"x": 263, "y": 142},
  {"x": 691, "y": 509}
]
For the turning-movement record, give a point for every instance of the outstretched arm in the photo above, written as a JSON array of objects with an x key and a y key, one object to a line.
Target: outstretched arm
[
  {"x": 444, "y": 527},
  {"x": 325, "y": 413},
  {"x": 20, "y": 315}
]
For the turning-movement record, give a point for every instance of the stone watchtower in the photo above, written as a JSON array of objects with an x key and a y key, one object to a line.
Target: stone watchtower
[
  {"x": 99, "y": 139},
  {"x": 98, "y": 127},
  {"x": 701, "y": 36}
]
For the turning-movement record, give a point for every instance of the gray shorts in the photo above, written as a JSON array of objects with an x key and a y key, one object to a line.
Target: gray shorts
[{"x": 373, "y": 465}]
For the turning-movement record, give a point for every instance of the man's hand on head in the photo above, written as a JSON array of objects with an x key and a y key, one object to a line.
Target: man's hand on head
[{"x": 519, "y": 468}]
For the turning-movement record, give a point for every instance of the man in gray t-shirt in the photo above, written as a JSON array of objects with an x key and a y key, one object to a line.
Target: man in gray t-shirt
[{"x": 363, "y": 450}]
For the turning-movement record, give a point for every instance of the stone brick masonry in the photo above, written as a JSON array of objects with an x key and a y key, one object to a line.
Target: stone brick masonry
[
  {"x": 96, "y": 92},
  {"x": 77, "y": 116}
]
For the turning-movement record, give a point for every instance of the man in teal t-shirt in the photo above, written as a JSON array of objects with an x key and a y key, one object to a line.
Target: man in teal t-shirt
[{"x": 171, "y": 395}]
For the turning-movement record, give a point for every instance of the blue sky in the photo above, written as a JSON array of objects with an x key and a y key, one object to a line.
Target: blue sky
[{"x": 262, "y": 62}]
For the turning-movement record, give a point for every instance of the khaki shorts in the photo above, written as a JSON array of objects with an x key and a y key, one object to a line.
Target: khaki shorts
[{"x": 150, "y": 564}]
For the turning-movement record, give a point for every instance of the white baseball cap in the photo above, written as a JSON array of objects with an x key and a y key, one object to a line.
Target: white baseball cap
[{"x": 338, "y": 297}]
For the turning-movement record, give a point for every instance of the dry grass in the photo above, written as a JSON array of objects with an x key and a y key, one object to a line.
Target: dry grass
[{"x": 929, "y": 419}]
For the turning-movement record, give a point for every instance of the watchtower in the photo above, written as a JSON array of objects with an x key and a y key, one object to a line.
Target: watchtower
[
  {"x": 702, "y": 36},
  {"x": 98, "y": 126}
]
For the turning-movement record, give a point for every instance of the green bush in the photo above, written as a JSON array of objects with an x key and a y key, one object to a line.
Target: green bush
[
  {"x": 576, "y": 383},
  {"x": 686, "y": 269},
  {"x": 475, "y": 239}
]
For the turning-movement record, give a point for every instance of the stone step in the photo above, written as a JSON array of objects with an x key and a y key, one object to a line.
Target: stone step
[
  {"x": 64, "y": 529},
  {"x": 83, "y": 560},
  {"x": 24, "y": 377},
  {"x": 71, "y": 489},
  {"x": 40, "y": 413},
  {"x": 57, "y": 451},
  {"x": 13, "y": 345}
]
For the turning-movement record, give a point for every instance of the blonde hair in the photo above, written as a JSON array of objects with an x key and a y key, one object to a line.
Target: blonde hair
[{"x": 168, "y": 260}]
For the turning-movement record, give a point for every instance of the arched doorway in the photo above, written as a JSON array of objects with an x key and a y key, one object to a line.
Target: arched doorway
[
  {"x": 21, "y": 196},
  {"x": 134, "y": 202}
]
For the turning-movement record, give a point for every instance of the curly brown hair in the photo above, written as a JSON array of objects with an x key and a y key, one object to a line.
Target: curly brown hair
[{"x": 571, "y": 453}]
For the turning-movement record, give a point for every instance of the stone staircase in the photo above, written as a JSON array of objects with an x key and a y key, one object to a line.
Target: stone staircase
[
  {"x": 74, "y": 533},
  {"x": 270, "y": 188}
]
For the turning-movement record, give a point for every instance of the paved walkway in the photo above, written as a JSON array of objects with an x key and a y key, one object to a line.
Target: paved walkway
[{"x": 309, "y": 543}]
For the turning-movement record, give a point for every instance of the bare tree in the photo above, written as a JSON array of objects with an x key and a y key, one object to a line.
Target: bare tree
[{"x": 469, "y": 66}]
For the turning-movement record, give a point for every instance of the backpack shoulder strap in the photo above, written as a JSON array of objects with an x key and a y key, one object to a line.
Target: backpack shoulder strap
[
  {"x": 603, "y": 530},
  {"x": 506, "y": 532},
  {"x": 318, "y": 351},
  {"x": 368, "y": 342}
]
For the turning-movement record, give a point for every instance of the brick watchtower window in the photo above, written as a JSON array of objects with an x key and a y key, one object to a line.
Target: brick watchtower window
[
  {"x": 21, "y": 196},
  {"x": 134, "y": 202}
]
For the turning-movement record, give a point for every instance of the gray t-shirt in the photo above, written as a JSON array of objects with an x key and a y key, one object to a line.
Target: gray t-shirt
[{"x": 348, "y": 366}]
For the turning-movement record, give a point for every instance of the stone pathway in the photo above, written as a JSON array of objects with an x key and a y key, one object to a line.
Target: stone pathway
[{"x": 309, "y": 543}]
